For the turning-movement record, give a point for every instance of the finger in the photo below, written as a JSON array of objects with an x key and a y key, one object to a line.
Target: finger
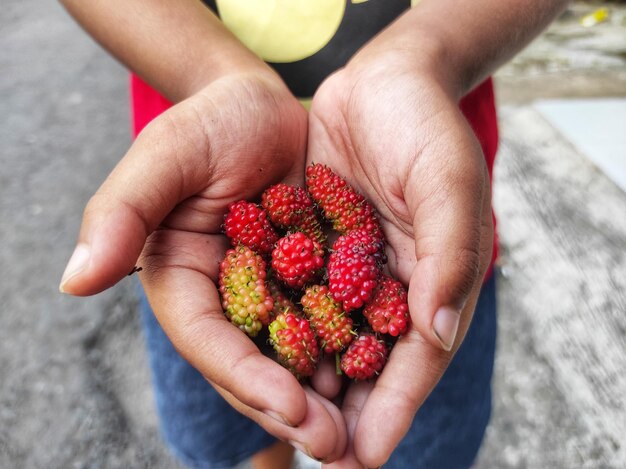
[
  {"x": 321, "y": 434},
  {"x": 353, "y": 403},
  {"x": 178, "y": 267},
  {"x": 417, "y": 365},
  {"x": 157, "y": 173},
  {"x": 326, "y": 381},
  {"x": 341, "y": 437},
  {"x": 448, "y": 209},
  {"x": 413, "y": 370}
]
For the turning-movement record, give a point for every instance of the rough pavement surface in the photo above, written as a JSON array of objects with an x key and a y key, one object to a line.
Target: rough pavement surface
[
  {"x": 74, "y": 386},
  {"x": 560, "y": 383}
]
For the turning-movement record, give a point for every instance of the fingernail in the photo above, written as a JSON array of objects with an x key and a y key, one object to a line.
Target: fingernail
[
  {"x": 445, "y": 326},
  {"x": 303, "y": 448},
  {"x": 77, "y": 263},
  {"x": 278, "y": 416}
]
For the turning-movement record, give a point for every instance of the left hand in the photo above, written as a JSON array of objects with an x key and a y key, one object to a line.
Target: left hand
[{"x": 395, "y": 132}]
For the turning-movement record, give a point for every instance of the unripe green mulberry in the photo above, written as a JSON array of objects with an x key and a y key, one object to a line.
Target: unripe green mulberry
[{"x": 245, "y": 297}]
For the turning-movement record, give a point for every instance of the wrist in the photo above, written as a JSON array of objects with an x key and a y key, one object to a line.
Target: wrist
[
  {"x": 231, "y": 62},
  {"x": 416, "y": 52},
  {"x": 458, "y": 43},
  {"x": 176, "y": 47},
  {"x": 422, "y": 61}
]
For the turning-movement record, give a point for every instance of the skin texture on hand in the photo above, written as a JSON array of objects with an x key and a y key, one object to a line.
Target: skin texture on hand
[
  {"x": 162, "y": 208},
  {"x": 400, "y": 139}
]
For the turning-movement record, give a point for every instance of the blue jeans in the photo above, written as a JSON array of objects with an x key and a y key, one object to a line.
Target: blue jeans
[{"x": 203, "y": 431}]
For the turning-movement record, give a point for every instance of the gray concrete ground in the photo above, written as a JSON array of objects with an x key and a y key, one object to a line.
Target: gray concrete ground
[{"x": 74, "y": 388}]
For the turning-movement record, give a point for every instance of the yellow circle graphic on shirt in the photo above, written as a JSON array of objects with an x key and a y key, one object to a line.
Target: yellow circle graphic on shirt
[{"x": 282, "y": 31}]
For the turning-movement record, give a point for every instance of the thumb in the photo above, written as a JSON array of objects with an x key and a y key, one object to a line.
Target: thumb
[{"x": 144, "y": 187}]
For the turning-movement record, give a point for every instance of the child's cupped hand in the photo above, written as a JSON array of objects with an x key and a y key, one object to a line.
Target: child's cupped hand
[
  {"x": 399, "y": 138},
  {"x": 162, "y": 209}
]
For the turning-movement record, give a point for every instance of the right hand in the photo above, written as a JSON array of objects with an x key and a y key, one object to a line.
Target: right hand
[
  {"x": 396, "y": 132},
  {"x": 162, "y": 208}
]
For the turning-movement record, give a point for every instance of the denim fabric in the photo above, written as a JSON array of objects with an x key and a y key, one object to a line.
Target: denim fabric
[
  {"x": 448, "y": 429},
  {"x": 203, "y": 431}
]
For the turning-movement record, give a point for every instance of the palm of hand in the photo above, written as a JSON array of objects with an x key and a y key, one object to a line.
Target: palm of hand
[
  {"x": 392, "y": 137},
  {"x": 228, "y": 142}
]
